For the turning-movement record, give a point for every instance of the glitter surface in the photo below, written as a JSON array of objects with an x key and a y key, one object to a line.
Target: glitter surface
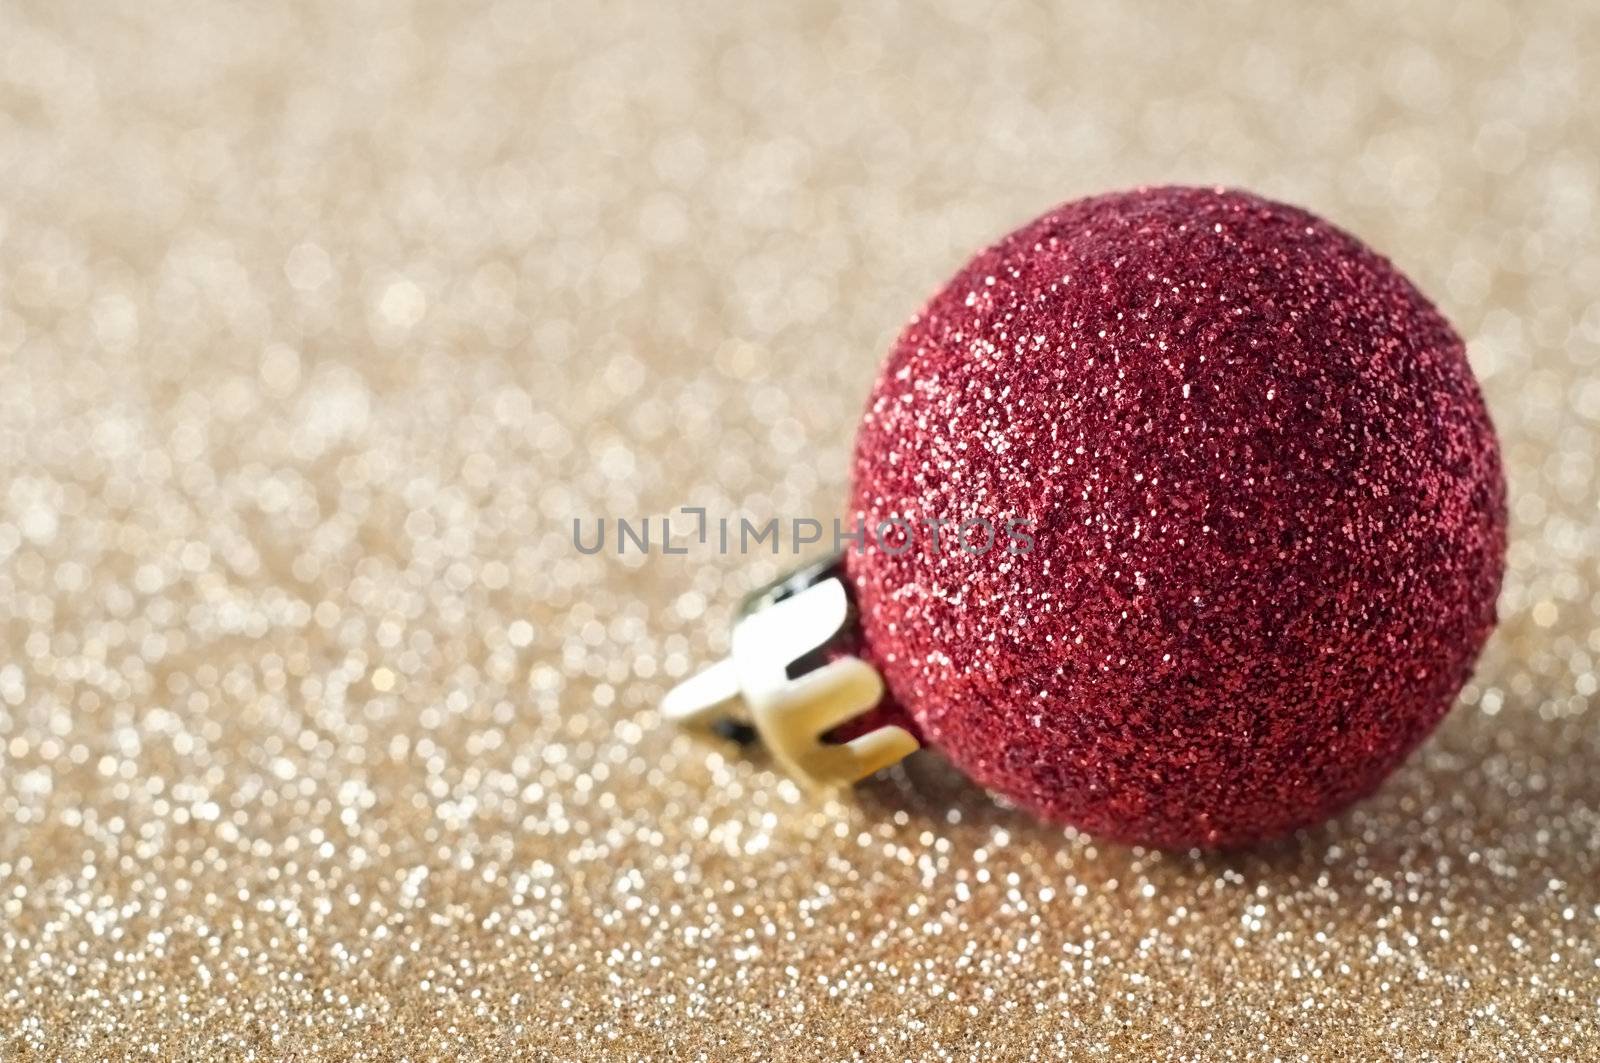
[
  {"x": 319, "y": 324},
  {"x": 1265, "y": 503}
]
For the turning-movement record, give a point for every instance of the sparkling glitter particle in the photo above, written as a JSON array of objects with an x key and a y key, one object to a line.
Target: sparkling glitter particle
[{"x": 319, "y": 323}]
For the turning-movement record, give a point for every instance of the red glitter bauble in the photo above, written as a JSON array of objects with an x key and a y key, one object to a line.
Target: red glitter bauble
[{"x": 1268, "y": 517}]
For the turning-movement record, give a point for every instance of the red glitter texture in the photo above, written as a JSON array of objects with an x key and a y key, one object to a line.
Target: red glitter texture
[{"x": 1269, "y": 506}]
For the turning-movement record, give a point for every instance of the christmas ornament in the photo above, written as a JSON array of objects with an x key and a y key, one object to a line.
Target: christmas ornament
[{"x": 1259, "y": 529}]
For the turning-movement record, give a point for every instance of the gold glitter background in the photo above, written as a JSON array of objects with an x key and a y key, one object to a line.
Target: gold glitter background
[{"x": 320, "y": 323}]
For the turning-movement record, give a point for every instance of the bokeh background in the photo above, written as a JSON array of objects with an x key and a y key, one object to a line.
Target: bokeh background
[{"x": 320, "y": 323}]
